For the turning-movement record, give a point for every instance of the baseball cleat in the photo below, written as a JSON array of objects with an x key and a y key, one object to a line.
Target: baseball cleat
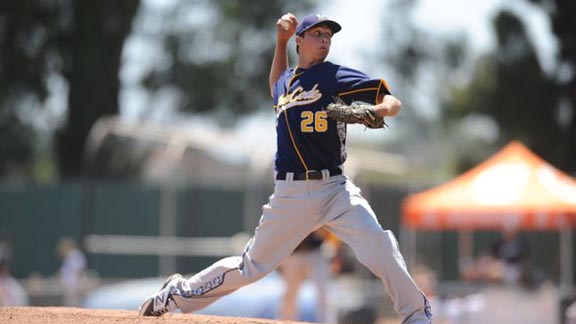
[{"x": 162, "y": 301}]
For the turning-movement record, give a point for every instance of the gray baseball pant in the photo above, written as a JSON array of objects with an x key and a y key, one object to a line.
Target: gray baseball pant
[{"x": 295, "y": 209}]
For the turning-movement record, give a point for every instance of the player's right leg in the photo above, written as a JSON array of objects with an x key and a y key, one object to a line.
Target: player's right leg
[
  {"x": 163, "y": 301},
  {"x": 285, "y": 222}
]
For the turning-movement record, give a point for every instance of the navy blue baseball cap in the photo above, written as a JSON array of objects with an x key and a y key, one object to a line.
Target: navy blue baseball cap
[{"x": 314, "y": 20}]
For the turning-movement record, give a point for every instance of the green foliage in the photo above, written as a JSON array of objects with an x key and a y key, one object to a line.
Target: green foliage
[
  {"x": 562, "y": 13},
  {"x": 30, "y": 32},
  {"x": 222, "y": 66},
  {"x": 507, "y": 86},
  {"x": 95, "y": 49},
  {"x": 79, "y": 40},
  {"x": 28, "y": 36},
  {"x": 510, "y": 86},
  {"x": 16, "y": 144}
]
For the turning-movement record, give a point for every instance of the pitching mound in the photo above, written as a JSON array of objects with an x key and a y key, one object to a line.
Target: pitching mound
[{"x": 66, "y": 315}]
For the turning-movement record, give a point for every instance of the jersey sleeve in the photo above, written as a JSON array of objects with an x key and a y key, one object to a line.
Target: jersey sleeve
[
  {"x": 276, "y": 90},
  {"x": 353, "y": 85}
]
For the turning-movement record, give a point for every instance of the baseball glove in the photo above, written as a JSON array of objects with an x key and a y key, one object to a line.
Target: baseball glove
[{"x": 356, "y": 113}]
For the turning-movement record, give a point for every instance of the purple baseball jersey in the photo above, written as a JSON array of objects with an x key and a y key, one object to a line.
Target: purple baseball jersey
[{"x": 307, "y": 139}]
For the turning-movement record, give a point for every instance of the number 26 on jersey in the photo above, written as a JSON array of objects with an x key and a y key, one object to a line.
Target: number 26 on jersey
[{"x": 313, "y": 122}]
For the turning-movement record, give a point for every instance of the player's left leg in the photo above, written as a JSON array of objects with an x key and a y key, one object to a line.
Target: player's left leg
[{"x": 378, "y": 250}]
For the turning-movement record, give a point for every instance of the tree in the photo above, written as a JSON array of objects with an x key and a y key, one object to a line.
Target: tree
[
  {"x": 510, "y": 86},
  {"x": 79, "y": 40},
  {"x": 222, "y": 65},
  {"x": 507, "y": 86},
  {"x": 419, "y": 66},
  {"x": 26, "y": 44},
  {"x": 93, "y": 54},
  {"x": 562, "y": 13}
]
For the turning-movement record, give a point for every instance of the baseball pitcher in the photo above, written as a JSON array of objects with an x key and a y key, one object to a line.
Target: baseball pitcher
[{"x": 314, "y": 102}]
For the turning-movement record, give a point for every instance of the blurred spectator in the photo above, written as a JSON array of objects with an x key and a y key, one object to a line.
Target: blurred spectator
[
  {"x": 427, "y": 280},
  {"x": 11, "y": 292},
  {"x": 512, "y": 250},
  {"x": 72, "y": 271},
  {"x": 570, "y": 314},
  {"x": 316, "y": 258},
  {"x": 486, "y": 268},
  {"x": 455, "y": 309},
  {"x": 505, "y": 261}
]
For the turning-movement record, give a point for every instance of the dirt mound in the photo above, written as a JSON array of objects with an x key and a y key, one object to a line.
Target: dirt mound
[{"x": 66, "y": 315}]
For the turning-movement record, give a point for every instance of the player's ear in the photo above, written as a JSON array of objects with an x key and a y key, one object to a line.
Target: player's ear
[{"x": 298, "y": 40}]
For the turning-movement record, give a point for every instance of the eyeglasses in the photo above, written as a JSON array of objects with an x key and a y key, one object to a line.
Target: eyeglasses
[{"x": 319, "y": 35}]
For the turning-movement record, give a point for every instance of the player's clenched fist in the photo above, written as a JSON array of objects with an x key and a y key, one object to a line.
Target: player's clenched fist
[{"x": 286, "y": 26}]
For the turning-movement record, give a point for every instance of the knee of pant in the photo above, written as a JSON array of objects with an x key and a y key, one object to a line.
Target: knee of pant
[
  {"x": 389, "y": 244},
  {"x": 232, "y": 262},
  {"x": 253, "y": 272},
  {"x": 380, "y": 245},
  {"x": 236, "y": 263},
  {"x": 382, "y": 240}
]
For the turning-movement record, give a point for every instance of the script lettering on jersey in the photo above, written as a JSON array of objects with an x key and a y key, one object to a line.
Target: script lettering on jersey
[{"x": 299, "y": 97}]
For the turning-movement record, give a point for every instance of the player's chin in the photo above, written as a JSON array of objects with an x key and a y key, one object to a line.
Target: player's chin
[{"x": 323, "y": 53}]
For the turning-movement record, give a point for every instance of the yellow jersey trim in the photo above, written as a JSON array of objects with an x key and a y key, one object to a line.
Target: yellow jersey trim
[
  {"x": 355, "y": 91},
  {"x": 288, "y": 124},
  {"x": 294, "y": 142}
]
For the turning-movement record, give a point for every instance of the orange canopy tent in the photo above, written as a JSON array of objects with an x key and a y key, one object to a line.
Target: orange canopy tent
[{"x": 514, "y": 188}]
